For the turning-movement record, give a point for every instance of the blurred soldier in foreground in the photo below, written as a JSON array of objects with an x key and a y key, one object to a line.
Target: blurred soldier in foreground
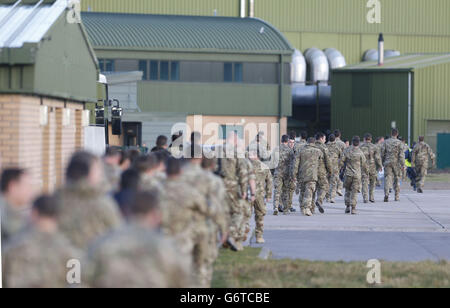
[
  {"x": 136, "y": 256},
  {"x": 261, "y": 147},
  {"x": 86, "y": 211},
  {"x": 379, "y": 143},
  {"x": 355, "y": 165},
  {"x": 263, "y": 192},
  {"x": 374, "y": 165},
  {"x": 335, "y": 152},
  {"x": 342, "y": 145},
  {"x": 421, "y": 154},
  {"x": 323, "y": 185},
  {"x": 283, "y": 176},
  {"x": 247, "y": 203},
  {"x": 393, "y": 158},
  {"x": 16, "y": 196},
  {"x": 233, "y": 170},
  {"x": 38, "y": 257},
  {"x": 148, "y": 168},
  {"x": 111, "y": 167},
  {"x": 306, "y": 172},
  {"x": 185, "y": 216}
]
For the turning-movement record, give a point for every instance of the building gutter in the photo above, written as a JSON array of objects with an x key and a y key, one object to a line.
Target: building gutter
[
  {"x": 280, "y": 95},
  {"x": 409, "y": 108}
]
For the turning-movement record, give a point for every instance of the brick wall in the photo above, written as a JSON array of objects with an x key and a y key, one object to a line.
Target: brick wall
[{"x": 44, "y": 150}]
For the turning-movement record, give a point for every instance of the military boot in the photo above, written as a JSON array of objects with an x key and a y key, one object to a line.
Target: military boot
[
  {"x": 260, "y": 240},
  {"x": 275, "y": 212},
  {"x": 397, "y": 198},
  {"x": 419, "y": 190},
  {"x": 321, "y": 210},
  {"x": 303, "y": 212},
  {"x": 239, "y": 246},
  {"x": 308, "y": 212},
  {"x": 347, "y": 210},
  {"x": 354, "y": 212},
  {"x": 386, "y": 198}
]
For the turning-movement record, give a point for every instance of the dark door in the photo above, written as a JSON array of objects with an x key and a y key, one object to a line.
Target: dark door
[{"x": 443, "y": 151}]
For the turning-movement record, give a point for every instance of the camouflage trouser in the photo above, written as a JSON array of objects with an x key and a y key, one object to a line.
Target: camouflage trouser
[
  {"x": 201, "y": 257},
  {"x": 352, "y": 187},
  {"x": 323, "y": 188},
  {"x": 247, "y": 215},
  {"x": 340, "y": 185},
  {"x": 392, "y": 177},
  {"x": 213, "y": 252},
  {"x": 237, "y": 215},
  {"x": 307, "y": 195},
  {"x": 334, "y": 182},
  {"x": 260, "y": 209},
  {"x": 289, "y": 195},
  {"x": 421, "y": 173},
  {"x": 281, "y": 187},
  {"x": 369, "y": 182}
]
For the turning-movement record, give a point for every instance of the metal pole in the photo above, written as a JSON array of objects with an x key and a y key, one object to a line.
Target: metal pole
[{"x": 409, "y": 108}]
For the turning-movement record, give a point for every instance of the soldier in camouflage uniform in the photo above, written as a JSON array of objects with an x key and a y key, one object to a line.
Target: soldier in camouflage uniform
[
  {"x": 264, "y": 185},
  {"x": 393, "y": 158},
  {"x": 283, "y": 175},
  {"x": 421, "y": 154},
  {"x": 374, "y": 165},
  {"x": 86, "y": 211},
  {"x": 148, "y": 166},
  {"x": 296, "y": 147},
  {"x": 111, "y": 167},
  {"x": 341, "y": 144},
  {"x": 185, "y": 216},
  {"x": 335, "y": 152},
  {"x": 136, "y": 256},
  {"x": 261, "y": 146},
  {"x": 355, "y": 165},
  {"x": 306, "y": 171},
  {"x": 247, "y": 204},
  {"x": 379, "y": 144},
  {"x": 38, "y": 256},
  {"x": 323, "y": 186},
  {"x": 233, "y": 170},
  {"x": 16, "y": 196}
]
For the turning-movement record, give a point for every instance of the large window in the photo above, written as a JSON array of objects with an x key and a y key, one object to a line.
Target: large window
[
  {"x": 106, "y": 65},
  {"x": 233, "y": 72}
]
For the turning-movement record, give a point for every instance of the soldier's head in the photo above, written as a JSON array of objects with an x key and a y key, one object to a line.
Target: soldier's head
[
  {"x": 253, "y": 155},
  {"x": 304, "y": 135},
  {"x": 162, "y": 158},
  {"x": 17, "y": 187},
  {"x": 368, "y": 137},
  {"x": 145, "y": 209},
  {"x": 161, "y": 142},
  {"x": 337, "y": 133},
  {"x": 380, "y": 140},
  {"x": 356, "y": 141},
  {"x": 129, "y": 180},
  {"x": 285, "y": 139},
  {"x": 85, "y": 167},
  {"x": 209, "y": 164},
  {"x": 146, "y": 164},
  {"x": 44, "y": 213},
  {"x": 421, "y": 139},
  {"x": 113, "y": 156},
  {"x": 260, "y": 136},
  {"x": 311, "y": 140},
  {"x": 291, "y": 143},
  {"x": 332, "y": 138},
  {"x": 173, "y": 169},
  {"x": 394, "y": 132},
  {"x": 321, "y": 137},
  {"x": 293, "y": 135}
]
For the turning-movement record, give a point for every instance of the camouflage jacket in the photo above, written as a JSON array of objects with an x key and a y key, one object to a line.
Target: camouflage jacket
[
  {"x": 264, "y": 182},
  {"x": 219, "y": 208},
  {"x": 335, "y": 154},
  {"x": 373, "y": 157},
  {"x": 13, "y": 220},
  {"x": 35, "y": 259},
  {"x": 261, "y": 148},
  {"x": 112, "y": 176},
  {"x": 308, "y": 163},
  {"x": 136, "y": 257},
  {"x": 392, "y": 153},
  {"x": 324, "y": 164},
  {"x": 233, "y": 171},
  {"x": 354, "y": 161},
  {"x": 286, "y": 162},
  {"x": 341, "y": 144},
  {"x": 150, "y": 182},
  {"x": 86, "y": 213},
  {"x": 422, "y": 152}
]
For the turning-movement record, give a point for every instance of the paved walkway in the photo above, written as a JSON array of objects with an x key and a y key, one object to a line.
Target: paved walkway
[{"x": 414, "y": 229}]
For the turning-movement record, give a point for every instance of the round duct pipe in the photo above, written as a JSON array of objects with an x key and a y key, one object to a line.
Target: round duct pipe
[
  {"x": 298, "y": 67},
  {"x": 318, "y": 68},
  {"x": 372, "y": 54},
  {"x": 335, "y": 58}
]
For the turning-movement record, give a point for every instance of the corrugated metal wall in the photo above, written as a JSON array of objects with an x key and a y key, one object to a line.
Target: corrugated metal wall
[
  {"x": 389, "y": 103},
  {"x": 409, "y": 25}
]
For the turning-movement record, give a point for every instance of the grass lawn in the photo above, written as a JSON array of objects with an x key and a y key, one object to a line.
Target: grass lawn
[
  {"x": 245, "y": 270},
  {"x": 438, "y": 177}
]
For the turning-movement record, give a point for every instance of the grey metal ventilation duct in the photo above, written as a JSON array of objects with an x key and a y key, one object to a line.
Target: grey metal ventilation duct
[
  {"x": 318, "y": 67},
  {"x": 372, "y": 54},
  {"x": 335, "y": 58},
  {"x": 298, "y": 67}
]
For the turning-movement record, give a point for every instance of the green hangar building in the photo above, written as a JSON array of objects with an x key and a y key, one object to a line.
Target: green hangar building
[
  {"x": 170, "y": 69},
  {"x": 409, "y": 92}
]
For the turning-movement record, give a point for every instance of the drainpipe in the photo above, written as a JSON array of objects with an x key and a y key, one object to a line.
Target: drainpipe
[
  {"x": 243, "y": 8},
  {"x": 280, "y": 96},
  {"x": 380, "y": 50},
  {"x": 409, "y": 108},
  {"x": 252, "y": 9}
]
